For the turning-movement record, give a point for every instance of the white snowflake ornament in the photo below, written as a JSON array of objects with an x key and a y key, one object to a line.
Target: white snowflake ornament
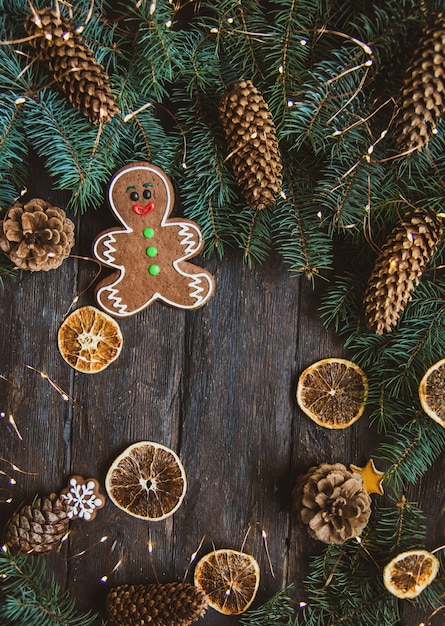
[{"x": 83, "y": 498}]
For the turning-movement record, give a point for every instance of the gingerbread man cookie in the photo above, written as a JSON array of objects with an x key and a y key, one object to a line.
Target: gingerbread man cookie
[{"x": 150, "y": 253}]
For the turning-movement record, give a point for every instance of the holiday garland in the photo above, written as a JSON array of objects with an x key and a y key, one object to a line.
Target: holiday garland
[{"x": 358, "y": 148}]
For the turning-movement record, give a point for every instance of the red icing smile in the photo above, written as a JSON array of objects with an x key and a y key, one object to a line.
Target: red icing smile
[{"x": 143, "y": 210}]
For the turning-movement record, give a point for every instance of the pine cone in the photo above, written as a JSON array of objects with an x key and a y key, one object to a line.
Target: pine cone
[
  {"x": 252, "y": 142},
  {"x": 178, "y": 604},
  {"x": 421, "y": 102},
  {"x": 73, "y": 65},
  {"x": 332, "y": 503},
  {"x": 399, "y": 267},
  {"x": 38, "y": 527},
  {"x": 36, "y": 236}
]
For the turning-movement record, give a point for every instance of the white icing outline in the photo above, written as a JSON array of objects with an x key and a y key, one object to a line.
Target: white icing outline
[{"x": 107, "y": 240}]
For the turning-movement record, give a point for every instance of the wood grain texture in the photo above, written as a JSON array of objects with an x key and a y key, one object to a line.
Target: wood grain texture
[{"x": 216, "y": 384}]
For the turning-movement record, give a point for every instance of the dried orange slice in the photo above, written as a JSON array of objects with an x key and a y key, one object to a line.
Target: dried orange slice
[
  {"x": 89, "y": 340},
  {"x": 229, "y": 579},
  {"x": 432, "y": 392},
  {"x": 147, "y": 481},
  {"x": 407, "y": 575},
  {"x": 333, "y": 392}
]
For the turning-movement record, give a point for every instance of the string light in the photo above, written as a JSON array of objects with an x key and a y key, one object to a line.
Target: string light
[
  {"x": 193, "y": 557},
  {"x": 130, "y": 116},
  {"x": 104, "y": 578},
  {"x": 266, "y": 548},
  {"x": 22, "y": 192},
  {"x": 101, "y": 540},
  {"x": 59, "y": 389},
  {"x": 17, "y": 469}
]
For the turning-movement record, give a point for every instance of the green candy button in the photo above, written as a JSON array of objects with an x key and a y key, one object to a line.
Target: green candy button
[
  {"x": 148, "y": 233},
  {"x": 154, "y": 270},
  {"x": 151, "y": 251}
]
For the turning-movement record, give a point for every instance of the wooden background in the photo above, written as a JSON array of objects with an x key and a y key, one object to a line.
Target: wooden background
[{"x": 216, "y": 384}]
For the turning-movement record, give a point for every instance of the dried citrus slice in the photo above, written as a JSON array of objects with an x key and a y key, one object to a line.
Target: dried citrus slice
[
  {"x": 333, "y": 392},
  {"x": 432, "y": 392},
  {"x": 89, "y": 340},
  {"x": 147, "y": 481},
  {"x": 407, "y": 575},
  {"x": 230, "y": 580}
]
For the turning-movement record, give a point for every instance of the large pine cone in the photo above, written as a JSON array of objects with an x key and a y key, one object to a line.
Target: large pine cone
[
  {"x": 38, "y": 527},
  {"x": 252, "y": 142},
  {"x": 332, "y": 502},
  {"x": 399, "y": 267},
  {"x": 36, "y": 236},
  {"x": 170, "y": 604},
  {"x": 422, "y": 99},
  {"x": 73, "y": 65}
]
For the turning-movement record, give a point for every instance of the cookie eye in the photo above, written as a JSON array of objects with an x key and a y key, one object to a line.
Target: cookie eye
[
  {"x": 147, "y": 194},
  {"x": 134, "y": 196}
]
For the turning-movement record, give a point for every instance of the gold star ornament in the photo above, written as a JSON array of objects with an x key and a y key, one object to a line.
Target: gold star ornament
[{"x": 372, "y": 477}]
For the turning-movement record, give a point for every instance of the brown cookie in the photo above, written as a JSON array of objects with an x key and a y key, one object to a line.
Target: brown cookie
[
  {"x": 83, "y": 498},
  {"x": 150, "y": 253}
]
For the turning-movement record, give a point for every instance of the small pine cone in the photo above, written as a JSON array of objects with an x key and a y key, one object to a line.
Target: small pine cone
[
  {"x": 252, "y": 142},
  {"x": 170, "y": 604},
  {"x": 36, "y": 235},
  {"x": 399, "y": 267},
  {"x": 332, "y": 502},
  {"x": 73, "y": 65},
  {"x": 38, "y": 527},
  {"x": 421, "y": 102}
]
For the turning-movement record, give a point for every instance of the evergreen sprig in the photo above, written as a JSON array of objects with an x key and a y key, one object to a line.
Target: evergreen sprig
[
  {"x": 29, "y": 596},
  {"x": 278, "y": 610},
  {"x": 345, "y": 585}
]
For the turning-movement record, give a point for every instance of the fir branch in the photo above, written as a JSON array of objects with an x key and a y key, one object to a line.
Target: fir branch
[
  {"x": 411, "y": 450},
  {"x": 13, "y": 153},
  {"x": 345, "y": 584},
  {"x": 344, "y": 587},
  {"x": 396, "y": 528},
  {"x": 58, "y": 134},
  {"x": 28, "y": 596},
  {"x": 149, "y": 42},
  {"x": 297, "y": 230},
  {"x": 254, "y": 234},
  {"x": 236, "y": 28},
  {"x": 277, "y": 610},
  {"x": 207, "y": 188}
]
